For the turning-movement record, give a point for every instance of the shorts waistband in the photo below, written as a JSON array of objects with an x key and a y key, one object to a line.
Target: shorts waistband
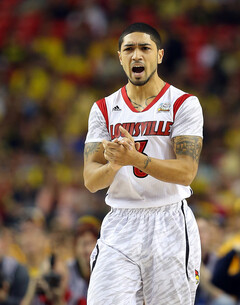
[{"x": 144, "y": 211}]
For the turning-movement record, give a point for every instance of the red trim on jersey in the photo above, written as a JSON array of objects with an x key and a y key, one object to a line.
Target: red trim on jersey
[
  {"x": 103, "y": 108},
  {"x": 178, "y": 103},
  {"x": 130, "y": 105}
]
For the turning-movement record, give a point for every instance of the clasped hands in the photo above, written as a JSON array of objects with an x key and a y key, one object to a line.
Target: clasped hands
[{"x": 121, "y": 152}]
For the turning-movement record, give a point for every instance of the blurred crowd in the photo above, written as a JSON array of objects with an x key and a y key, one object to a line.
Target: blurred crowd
[{"x": 57, "y": 57}]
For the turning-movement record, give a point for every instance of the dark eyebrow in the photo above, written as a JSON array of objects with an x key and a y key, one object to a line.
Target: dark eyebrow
[{"x": 136, "y": 44}]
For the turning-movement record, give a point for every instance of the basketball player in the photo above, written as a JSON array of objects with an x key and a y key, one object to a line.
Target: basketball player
[{"x": 144, "y": 143}]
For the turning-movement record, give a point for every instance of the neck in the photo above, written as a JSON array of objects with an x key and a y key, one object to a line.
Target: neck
[
  {"x": 143, "y": 95},
  {"x": 34, "y": 260}
]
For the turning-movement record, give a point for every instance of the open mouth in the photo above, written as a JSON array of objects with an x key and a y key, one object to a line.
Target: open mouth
[{"x": 138, "y": 69}]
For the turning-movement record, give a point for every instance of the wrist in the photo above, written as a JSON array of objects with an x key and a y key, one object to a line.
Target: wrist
[
  {"x": 113, "y": 168},
  {"x": 139, "y": 160}
]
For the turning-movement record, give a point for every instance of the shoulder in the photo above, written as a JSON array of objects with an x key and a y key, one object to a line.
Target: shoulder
[
  {"x": 182, "y": 99},
  {"x": 9, "y": 264},
  {"x": 22, "y": 272},
  {"x": 177, "y": 93},
  {"x": 110, "y": 100},
  {"x": 14, "y": 270},
  {"x": 107, "y": 99},
  {"x": 114, "y": 95},
  {"x": 107, "y": 103}
]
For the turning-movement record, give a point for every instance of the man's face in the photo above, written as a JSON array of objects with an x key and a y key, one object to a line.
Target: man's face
[{"x": 139, "y": 57}]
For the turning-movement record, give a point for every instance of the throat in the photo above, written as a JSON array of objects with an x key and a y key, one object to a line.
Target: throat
[
  {"x": 140, "y": 105},
  {"x": 141, "y": 96}
]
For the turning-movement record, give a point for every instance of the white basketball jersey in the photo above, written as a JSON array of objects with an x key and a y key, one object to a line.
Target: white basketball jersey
[{"x": 172, "y": 113}]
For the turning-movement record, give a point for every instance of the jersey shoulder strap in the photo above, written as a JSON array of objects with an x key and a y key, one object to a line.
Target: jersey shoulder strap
[{"x": 179, "y": 101}]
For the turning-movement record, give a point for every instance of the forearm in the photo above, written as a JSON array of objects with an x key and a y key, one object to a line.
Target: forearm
[
  {"x": 173, "y": 170},
  {"x": 181, "y": 170},
  {"x": 98, "y": 176}
]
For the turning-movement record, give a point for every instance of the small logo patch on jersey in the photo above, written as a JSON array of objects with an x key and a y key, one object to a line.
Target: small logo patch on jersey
[
  {"x": 164, "y": 107},
  {"x": 116, "y": 108},
  {"x": 197, "y": 277}
]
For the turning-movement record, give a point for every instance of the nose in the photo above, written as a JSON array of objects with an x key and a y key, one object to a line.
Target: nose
[{"x": 136, "y": 54}]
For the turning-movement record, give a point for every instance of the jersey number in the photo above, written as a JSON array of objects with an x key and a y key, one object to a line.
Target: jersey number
[{"x": 137, "y": 172}]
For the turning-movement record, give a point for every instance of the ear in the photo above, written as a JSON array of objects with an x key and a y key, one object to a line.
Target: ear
[
  {"x": 160, "y": 55},
  {"x": 120, "y": 57}
]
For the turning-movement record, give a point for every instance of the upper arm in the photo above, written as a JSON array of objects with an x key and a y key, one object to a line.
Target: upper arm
[
  {"x": 93, "y": 162},
  {"x": 188, "y": 148},
  {"x": 93, "y": 152},
  {"x": 187, "y": 132},
  {"x": 97, "y": 131}
]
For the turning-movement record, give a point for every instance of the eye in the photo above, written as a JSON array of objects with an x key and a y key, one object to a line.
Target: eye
[
  {"x": 128, "y": 49},
  {"x": 145, "y": 48}
]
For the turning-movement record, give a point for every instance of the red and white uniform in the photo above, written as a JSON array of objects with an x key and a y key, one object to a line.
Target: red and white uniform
[
  {"x": 172, "y": 113},
  {"x": 149, "y": 247}
]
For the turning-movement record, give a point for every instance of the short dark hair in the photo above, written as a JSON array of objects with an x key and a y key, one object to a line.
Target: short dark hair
[{"x": 142, "y": 28}]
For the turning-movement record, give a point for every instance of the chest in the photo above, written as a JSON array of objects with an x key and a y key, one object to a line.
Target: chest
[{"x": 156, "y": 121}]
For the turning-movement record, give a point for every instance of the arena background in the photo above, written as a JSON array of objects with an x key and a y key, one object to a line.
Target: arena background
[{"x": 57, "y": 57}]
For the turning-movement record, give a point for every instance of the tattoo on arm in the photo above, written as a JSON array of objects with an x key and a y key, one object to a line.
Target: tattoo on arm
[
  {"x": 91, "y": 148},
  {"x": 188, "y": 146},
  {"x": 147, "y": 161}
]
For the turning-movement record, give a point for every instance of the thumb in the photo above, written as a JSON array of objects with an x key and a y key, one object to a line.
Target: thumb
[
  {"x": 137, "y": 145},
  {"x": 104, "y": 143}
]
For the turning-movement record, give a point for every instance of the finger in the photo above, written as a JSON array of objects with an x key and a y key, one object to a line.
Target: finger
[
  {"x": 127, "y": 143},
  {"x": 110, "y": 145},
  {"x": 109, "y": 154},
  {"x": 125, "y": 133},
  {"x": 106, "y": 155},
  {"x": 137, "y": 145},
  {"x": 104, "y": 143}
]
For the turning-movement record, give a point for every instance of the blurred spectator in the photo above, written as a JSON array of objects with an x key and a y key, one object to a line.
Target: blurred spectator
[
  {"x": 79, "y": 268},
  {"x": 211, "y": 235},
  {"x": 50, "y": 287},
  {"x": 230, "y": 246},
  {"x": 222, "y": 278},
  {"x": 226, "y": 272},
  {"x": 47, "y": 272},
  {"x": 13, "y": 277}
]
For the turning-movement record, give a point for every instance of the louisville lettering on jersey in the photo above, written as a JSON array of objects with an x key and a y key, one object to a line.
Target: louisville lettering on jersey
[{"x": 149, "y": 128}]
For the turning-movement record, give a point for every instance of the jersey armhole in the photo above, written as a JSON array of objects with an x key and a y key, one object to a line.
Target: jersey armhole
[{"x": 103, "y": 108}]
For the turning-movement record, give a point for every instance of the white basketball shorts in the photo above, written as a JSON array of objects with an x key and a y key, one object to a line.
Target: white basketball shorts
[{"x": 146, "y": 255}]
